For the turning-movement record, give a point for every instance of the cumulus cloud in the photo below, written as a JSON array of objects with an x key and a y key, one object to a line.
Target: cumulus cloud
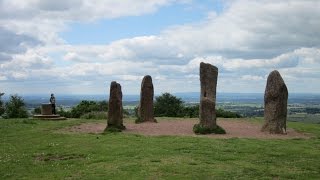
[
  {"x": 13, "y": 43},
  {"x": 251, "y": 78},
  {"x": 246, "y": 41},
  {"x": 252, "y": 29},
  {"x": 77, "y": 9}
]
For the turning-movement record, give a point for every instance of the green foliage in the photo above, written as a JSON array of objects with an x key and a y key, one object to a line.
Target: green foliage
[
  {"x": 136, "y": 115},
  {"x": 1, "y": 105},
  {"x": 88, "y": 106},
  {"x": 199, "y": 129},
  {"x": 15, "y": 108},
  {"x": 227, "y": 114},
  {"x": 94, "y": 115},
  {"x": 137, "y": 120},
  {"x": 63, "y": 112},
  {"x": 191, "y": 111},
  {"x": 125, "y": 112},
  {"x": 168, "y": 105},
  {"x": 37, "y": 110},
  {"x": 103, "y": 106}
]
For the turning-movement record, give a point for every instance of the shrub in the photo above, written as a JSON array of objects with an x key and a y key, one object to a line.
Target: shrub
[
  {"x": 227, "y": 114},
  {"x": 88, "y": 106},
  {"x": 1, "y": 105},
  {"x": 15, "y": 108},
  {"x": 199, "y": 129},
  {"x": 168, "y": 105},
  {"x": 64, "y": 113},
  {"x": 95, "y": 115},
  {"x": 191, "y": 111},
  {"x": 37, "y": 110}
]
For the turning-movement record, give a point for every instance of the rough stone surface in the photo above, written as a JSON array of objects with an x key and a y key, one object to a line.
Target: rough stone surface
[
  {"x": 46, "y": 109},
  {"x": 275, "y": 104},
  {"x": 145, "y": 111},
  {"x": 46, "y": 113},
  {"x": 208, "y": 80},
  {"x": 115, "y": 110}
]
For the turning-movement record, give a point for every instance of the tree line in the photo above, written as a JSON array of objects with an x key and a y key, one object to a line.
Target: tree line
[
  {"x": 14, "y": 108},
  {"x": 165, "y": 105},
  {"x": 168, "y": 105}
]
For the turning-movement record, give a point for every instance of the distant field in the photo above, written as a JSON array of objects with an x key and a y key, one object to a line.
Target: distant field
[
  {"x": 33, "y": 149},
  {"x": 304, "y": 117}
]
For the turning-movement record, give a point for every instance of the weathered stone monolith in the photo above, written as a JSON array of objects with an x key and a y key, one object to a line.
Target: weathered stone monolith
[
  {"x": 275, "y": 104},
  {"x": 145, "y": 109},
  {"x": 208, "y": 81},
  {"x": 115, "y": 110}
]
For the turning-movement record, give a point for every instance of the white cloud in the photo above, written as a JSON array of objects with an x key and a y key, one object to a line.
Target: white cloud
[
  {"x": 251, "y": 78},
  {"x": 246, "y": 41},
  {"x": 252, "y": 29},
  {"x": 3, "y": 78},
  {"x": 130, "y": 78}
]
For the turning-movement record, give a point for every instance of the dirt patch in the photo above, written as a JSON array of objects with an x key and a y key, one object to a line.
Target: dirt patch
[{"x": 234, "y": 129}]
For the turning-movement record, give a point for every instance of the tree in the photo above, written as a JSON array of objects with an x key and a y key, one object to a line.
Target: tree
[
  {"x": 15, "y": 108},
  {"x": 1, "y": 105},
  {"x": 88, "y": 106},
  {"x": 168, "y": 105},
  {"x": 191, "y": 111}
]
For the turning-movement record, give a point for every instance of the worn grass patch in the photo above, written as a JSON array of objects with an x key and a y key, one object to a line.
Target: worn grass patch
[{"x": 36, "y": 151}]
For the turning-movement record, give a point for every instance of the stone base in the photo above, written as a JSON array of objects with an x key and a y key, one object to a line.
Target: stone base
[{"x": 53, "y": 117}]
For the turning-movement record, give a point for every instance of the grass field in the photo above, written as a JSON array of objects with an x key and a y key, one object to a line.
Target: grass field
[
  {"x": 34, "y": 149},
  {"x": 305, "y": 118}
]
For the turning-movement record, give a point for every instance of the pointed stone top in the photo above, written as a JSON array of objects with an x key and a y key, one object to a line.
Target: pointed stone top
[
  {"x": 275, "y": 73},
  {"x": 275, "y": 84}
]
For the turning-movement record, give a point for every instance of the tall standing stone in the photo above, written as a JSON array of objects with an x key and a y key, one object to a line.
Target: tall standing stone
[
  {"x": 208, "y": 82},
  {"x": 145, "y": 111},
  {"x": 115, "y": 110},
  {"x": 275, "y": 104}
]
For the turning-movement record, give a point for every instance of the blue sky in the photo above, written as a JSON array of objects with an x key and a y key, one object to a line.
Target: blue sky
[
  {"x": 107, "y": 30},
  {"x": 80, "y": 46}
]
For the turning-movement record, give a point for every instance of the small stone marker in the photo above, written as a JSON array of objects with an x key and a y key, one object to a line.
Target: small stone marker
[
  {"x": 115, "y": 110},
  {"x": 46, "y": 113},
  {"x": 46, "y": 109},
  {"x": 275, "y": 104},
  {"x": 145, "y": 109}
]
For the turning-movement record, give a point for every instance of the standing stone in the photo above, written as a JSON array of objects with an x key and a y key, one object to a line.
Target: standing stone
[
  {"x": 275, "y": 104},
  {"x": 208, "y": 80},
  {"x": 115, "y": 116},
  {"x": 145, "y": 111}
]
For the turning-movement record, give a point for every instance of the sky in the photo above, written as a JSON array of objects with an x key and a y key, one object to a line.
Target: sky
[{"x": 80, "y": 46}]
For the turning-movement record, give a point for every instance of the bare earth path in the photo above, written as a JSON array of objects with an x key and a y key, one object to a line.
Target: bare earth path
[{"x": 234, "y": 128}]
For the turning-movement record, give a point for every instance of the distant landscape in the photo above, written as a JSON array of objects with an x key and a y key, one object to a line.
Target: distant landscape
[{"x": 302, "y": 107}]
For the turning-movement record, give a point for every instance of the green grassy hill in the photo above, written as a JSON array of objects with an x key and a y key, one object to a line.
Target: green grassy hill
[{"x": 34, "y": 149}]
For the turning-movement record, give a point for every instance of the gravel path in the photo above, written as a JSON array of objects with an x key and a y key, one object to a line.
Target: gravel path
[{"x": 234, "y": 129}]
